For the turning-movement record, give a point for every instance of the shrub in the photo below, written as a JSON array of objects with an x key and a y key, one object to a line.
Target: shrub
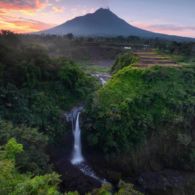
[
  {"x": 34, "y": 144},
  {"x": 14, "y": 183},
  {"x": 123, "y": 60}
]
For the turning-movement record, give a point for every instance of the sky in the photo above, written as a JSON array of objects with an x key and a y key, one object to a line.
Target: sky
[{"x": 175, "y": 17}]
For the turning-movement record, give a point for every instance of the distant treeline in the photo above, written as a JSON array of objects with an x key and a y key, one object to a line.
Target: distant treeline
[{"x": 71, "y": 46}]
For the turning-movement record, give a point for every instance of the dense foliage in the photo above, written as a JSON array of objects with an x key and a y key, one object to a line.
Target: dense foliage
[
  {"x": 153, "y": 109},
  {"x": 35, "y": 89},
  {"x": 33, "y": 158},
  {"x": 106, "y": 189},
  {"x": 14, "y": 183},
  {"x": 146, "y": 114},
  {"x": 178, "y": 48},
  {"x": 123, "y": 60}
]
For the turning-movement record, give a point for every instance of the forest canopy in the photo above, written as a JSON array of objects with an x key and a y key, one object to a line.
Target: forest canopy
[{"x": 138, "y": 106}]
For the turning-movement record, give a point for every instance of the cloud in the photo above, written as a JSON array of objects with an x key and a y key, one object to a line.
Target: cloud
[
  {"x": 22, "y": 4},
  {"x": 2, "y": 11},
  {"x": 22, "y": 25},
  {"x": 12, "y": 10},
  {"x": 170, "y": 29}
]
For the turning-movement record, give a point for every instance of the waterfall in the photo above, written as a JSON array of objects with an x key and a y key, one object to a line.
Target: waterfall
[
  {"x": 77, "y": 153},
  {"x": 77, "y": 158},
  {"x": 103, "y": 82},
  {"x": 102, "y": 77}
]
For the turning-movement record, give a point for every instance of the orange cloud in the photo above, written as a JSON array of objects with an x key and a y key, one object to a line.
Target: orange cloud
[
  {"x": 10, "y": 20},
  {"x": 22, "y": 4},
  {"x": 2, "y": 12},
  {"x": 23, "y": 25}
]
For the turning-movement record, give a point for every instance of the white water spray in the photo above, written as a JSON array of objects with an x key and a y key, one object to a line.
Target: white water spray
[
  {"x": 103, "y": 82},
  {"x": 101, "y": 77},
  {"x": 77, "y": 157},
  {"x": 77, "y": 153}
]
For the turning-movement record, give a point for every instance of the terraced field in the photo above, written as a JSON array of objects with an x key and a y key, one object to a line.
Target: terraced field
[{"x": 151, "y": 58}]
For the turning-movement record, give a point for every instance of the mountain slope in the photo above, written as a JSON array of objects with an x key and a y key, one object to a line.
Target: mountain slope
[{"x": 103, "y": 23}]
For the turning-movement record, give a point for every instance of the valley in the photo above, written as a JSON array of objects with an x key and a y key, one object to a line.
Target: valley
[
  {"x": 128, "y": 111},
  {"x": 95, "y": 105}
]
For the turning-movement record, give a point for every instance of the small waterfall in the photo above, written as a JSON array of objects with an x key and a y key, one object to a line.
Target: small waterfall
[
  {"x": 102, "y": 77},
  {"x": 102, "y": 80},
  {"x": 77, "y": 158},
  {"x": 77, "y": 153}
]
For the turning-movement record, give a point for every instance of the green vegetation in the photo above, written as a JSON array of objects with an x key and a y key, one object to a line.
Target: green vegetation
[
  {"x": 35, "y": 89},
  {"x": 142, "y": 118},
  {"x": 79, "y": 49},
  {"x": 14, "y": 183},
  {"x": 141, "y": 108},
  {"x": 123, "y": 60},
  {"x": 34, "y": 144},
  {"x": 178, "y": 48},
  {"x": 123, "y": 189},
  {"x": 95, "y": 69},
  {"x": 182, "y": 53},
  {"x": 107, "y": 189}
]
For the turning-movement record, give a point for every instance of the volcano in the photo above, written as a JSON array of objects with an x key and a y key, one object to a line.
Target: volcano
[{"x": 104, "y": 23}]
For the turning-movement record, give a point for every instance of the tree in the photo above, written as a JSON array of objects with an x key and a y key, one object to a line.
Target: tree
[
  {"x": 34, "y": 158},
  {"x": 12, "y": 148},
  {"x": 14, "y": 183},
  {"x": 123, "y": 60},
  {"x": 70, "y": 36}
]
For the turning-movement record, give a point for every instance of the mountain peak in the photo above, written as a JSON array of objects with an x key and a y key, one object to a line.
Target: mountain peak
[{"x": 103, "y": 11}]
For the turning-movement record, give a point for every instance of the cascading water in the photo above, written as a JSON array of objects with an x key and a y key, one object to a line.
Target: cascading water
[
  {"x": 77, "y": 158},
  {"x": 103, "y": 82},
  {"x": 77, "y": 153},
  {"x": 101, "y": 77}
]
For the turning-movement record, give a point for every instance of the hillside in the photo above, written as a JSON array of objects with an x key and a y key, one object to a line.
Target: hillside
[{"x": 143, "y": 119}]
